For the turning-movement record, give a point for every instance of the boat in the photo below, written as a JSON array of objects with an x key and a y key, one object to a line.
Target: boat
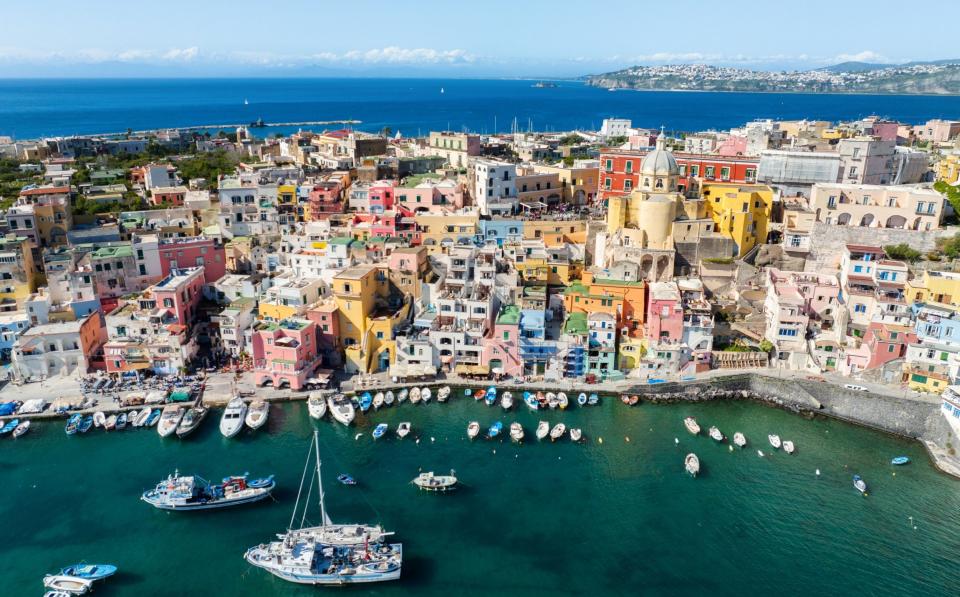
[
  {"x": 691, "y": 424},
  {"x": 153, "y": 418},
  {"x": 739, "y": 439},
  {"x": 86, "y": 423},
  {"x": 316, "y": 405},
  {"x": 531, "y": 401},
  {"x": 625, "y": 398},
  {"x": 341, "y": 409},
  {"x": 67, "y": 584},
  {"x": 552, "y": 400},
  {"x": 494, "y": 430},
  {"x": 576, "y": 434},
  {"x": 121, "y": 421},
  {"x": 132, "y": 415},
  {"x": 473, "y": 429},
  {"x": 715, "y": 434},
  {"x": 403, "y": 429},
  {"x": 389, "y": 398},
  {"x": 516, "y": 431},
  {"x": 479, "y": 394},
  {"x": 490, "y": 398},
  {"x": 89, "y": 571},
  {"x": 774, "y": 440},
  {"x": 542, "y": 399},
  {"x": 788, "y": 447},
  {"x": 73, "y": 423},
  {"x": 328, "y": 554},
  {"x": 379, "y": 430},
  {"x": 193, "y": 492},
  {"x": 692, "y": 464},
  {"x": 9, "y": 426},
  {"x": 425, "y": 395},
  {"x": 377, "y": 400},
  {"x": 346, "y": 479},
  {"x": 191, "y": 420},
  {"x": 899, "y": 460},
  {"x": 562, "y": 401},
  {"x": 443, "y": 394},
  {"x": 365, "y": 401},
  {"x": 99, "y": 419},
  {"x": 21, "y": 429},
  {"x": 860, "y": 484},
  {"x": 557, "y": 432},
  {"x": 111, "y": 423},
  {"x": 582, "y": 399},
  {"x": 56, "y": 594},
  {"x": 543, "y": 429},
  {"x": 414, "y": 395},
  {"x": 232, "y": 420},
  {"x": 506, "y": 401},
  {"x": 431, "y": 482},
  {"x": 402, "y": 395},
  {"x": 634, "y": 400},
  {"x": 593, "y": 399},
  {"x": 142, "y": 418},
  {"x": 257, "y": 414}
]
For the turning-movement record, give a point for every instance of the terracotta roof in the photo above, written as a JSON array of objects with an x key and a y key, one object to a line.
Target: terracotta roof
[{"x": 45, "y": 191}]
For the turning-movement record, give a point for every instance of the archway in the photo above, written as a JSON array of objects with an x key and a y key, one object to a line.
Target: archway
[
  {"x": 896, "y": 222},
  {"x": 866, "y": 220},
  {"x": 843, "y": 220}
]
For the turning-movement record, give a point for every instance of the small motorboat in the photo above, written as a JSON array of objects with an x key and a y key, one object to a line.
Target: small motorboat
[
  {"x": 132, "y": 416},
  {"x": 9, "y": 426},
  {"x": 691, "y": 424},
  {"x": 57, "y": 594},
  {"x": 153, "y": 418},
  {"x": 68, "y": 584},
  {"x": 443, "y": 394},
  {"x": 562, "y": 401},
  {"x": 494, "y": 430},
  {"x": 431, "y": 482},
  {"x": 557, "y": 432},
  {"x": 86, "y": 423},
  {"x": 739, "y": 439},
  {"x": 582, "y": 399},
  {"x": 378, "y": 400},
  {"x": 89, "y": 571},
  {"x": 341, "y": 409},
  {"x": 425, "y": 395},
  {"x": 516, "y": 431},
  {"x": 774, "y": 441},
  {"x": 73, "y": 424},
  {"x": 506, "y": 401},
  {"x": 715, "y": 434},
  {"x": 899, "y": 460},
  {"x": 389, "y": 398},
  {"x": 692, "y": 464},
  {"x": 625, "y": 399},
  {"x": 576, "y": 434},
  {"x": 232, "y": 420},
  {"x": 99, "y": 419},
  {"x": 473, "y": 429},
  {"x": 191, "y": 420},
  {"x": 479, "y": 394},
  {"x": 860, "y": 484},
  {"x": 490, "y": 398},
  {"x": 634, "y": 400},
  {"x": 788, "y": 447},
  {"x": 543, "y": 429},
  {"x": 21, "y": 429},
  {"x": 593, "y": 399},
  {"x": 142, "y": 418},
  {"x": 365, "y": 401},
  {"x": 380, "y": 430},
  {"x": 257, "y": 414},
  {"x": 402, "y": 395},
  {"x": 414, "y": 395},
  {"x": 531, "y": 401},
  {"x": 111, "y": 423},
  {"x": 121, "y": 421},
  {"x": 552, "y": 400},
  {"x": 316, "y": 406},
  {"x": 403, "y": 429},
  {"x": 542, "y": 399},
  {"x": 346, "y": 479}
]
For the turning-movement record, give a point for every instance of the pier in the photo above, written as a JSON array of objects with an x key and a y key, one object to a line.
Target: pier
[{"x": 203, "y": 127}]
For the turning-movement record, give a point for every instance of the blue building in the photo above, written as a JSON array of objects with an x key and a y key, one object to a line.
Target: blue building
[
  {"x": 501, "y": 230},
  {"x": 12, "y": 325}
]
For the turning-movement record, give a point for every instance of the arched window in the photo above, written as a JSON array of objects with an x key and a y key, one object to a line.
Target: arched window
[{"x": 659, "y": 183}]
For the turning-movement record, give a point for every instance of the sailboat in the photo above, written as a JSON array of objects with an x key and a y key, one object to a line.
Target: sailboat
[{"x": 328, "y": 554}]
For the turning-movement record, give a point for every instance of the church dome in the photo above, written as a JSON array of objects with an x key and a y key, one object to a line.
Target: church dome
[{"x": 660, "y": 161}]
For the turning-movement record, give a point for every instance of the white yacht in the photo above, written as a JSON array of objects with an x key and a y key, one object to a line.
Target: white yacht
[
  {"x": 232, "y": 420},
  {"x": 774, "y": 440},
  {"x": 257, "y": 414},
  {"x": 316, "y": 405},
  {"x": 342, "y": 409},
  {"x": 169, "y": 419}
]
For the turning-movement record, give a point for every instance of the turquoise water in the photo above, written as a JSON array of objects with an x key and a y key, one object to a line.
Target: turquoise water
[{"x": 615, "y": 517}]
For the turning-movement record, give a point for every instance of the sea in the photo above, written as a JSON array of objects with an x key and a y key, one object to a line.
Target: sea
[
  {"x": 33, "y": 108},
  {"x": 614, "y": 515}
]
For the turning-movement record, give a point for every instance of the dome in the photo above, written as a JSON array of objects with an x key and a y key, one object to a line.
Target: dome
[{"x": 660, "y": 161}]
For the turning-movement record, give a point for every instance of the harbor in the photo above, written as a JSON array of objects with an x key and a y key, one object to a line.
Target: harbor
[{"x": 741, "y": 513}]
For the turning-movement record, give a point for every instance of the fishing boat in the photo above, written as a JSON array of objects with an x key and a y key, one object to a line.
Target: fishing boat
[
  {"x": 414, "y": 395},
  {"x": 191, "y": 420},
  {"x": 346, "y": 479},
  {"x": 389, "y": 398},
  {"x": 142, "y": 418},
  {"x": 425, "y": 395},
  {"x": 377, "y": 400},
  {"x": 431, "y": 482},
  {"x": 341, "y": 409},
  {"x": 582, "y": 399},
  {"x": 111, "y": 423},
  {"x": 73, "y": 423},
  {"x": 494, "y": 430},
  {"x": 543, "y": 429},
  {"x": 531, "y": 401},
  {"x": 89, "y": 571},
  {"x": 380, "y": 430},
  {"x": 516, "y": 431},
  {"x": 715, "y": 434},
  {"x": 121, "y": 421},
  {"x": 899, "y": 460},
  {"x": 403, "y": 429},
  {"x": 402, "y": 395},
  {"x": 21, "y": 429},
  {"x": 316, "y": 405},
  {"x": 473, "y": 429},
  {"x": 365, "y": 401},
  {"x": 329, "y": 554},
  {"x": 593, "y": 399},
  {"x": 860, "y": 484},
  {"x": 193, "y": 492},
  {"x": 739, "y": 439},
  {"x": 788, "y": 447},
  {"x": 86, "y": 423},
  {"x": 557, "y": 432},
  {"x": 257, "y": 414},
  {"x": 9, "y": 426},
  {"x": 153, "y": 418},
  {"x": 68, "y": 584},
  {"x": 774, "y": 440},
  {"x": 506, "y": 401},
  {"x": 232, "y": 420},
  {"x": 99, "y": 419},
  {"x": 443, "y": 394},
  {"x": 562, "y": 401},
  {"x": 576, "y": 434},
  {"x": 692, "y": 464},
  {"x": 551, "y": 399},
  {"x": 691, "y": 424}
]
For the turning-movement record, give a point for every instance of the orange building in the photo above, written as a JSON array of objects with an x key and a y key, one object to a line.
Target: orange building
[{"x": 625, "y": 300}]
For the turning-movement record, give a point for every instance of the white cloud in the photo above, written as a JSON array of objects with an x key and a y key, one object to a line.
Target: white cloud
[
  {"x": 864, "y": 56},
  {"x": 397, "y": 55},
  {"x": 96, "y": 55}
]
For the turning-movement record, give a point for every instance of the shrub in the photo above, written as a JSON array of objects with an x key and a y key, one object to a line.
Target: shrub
[{"x": 903, "y": 252}]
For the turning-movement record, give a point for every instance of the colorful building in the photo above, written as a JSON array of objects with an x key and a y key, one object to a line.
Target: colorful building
[
  {"x": 740, "y": 212},
  {"x": 285, "y": 353}
]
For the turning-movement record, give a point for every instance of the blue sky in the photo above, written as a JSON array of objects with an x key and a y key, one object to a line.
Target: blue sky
[{"x": 430, "y": 37}]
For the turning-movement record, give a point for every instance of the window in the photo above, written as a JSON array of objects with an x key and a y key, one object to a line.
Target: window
[
  {"x": 627, "y": 185},
  {"x": 709, "y": 172},
  {"x": 695, "y": 170},
  {"x": 788, "y": 332},
  {"x": 859, "y": 308},
  {"x": 609, "y": 166},
  {"x": 751, "y": 174},
  {"x": 629, "y": 167},
  {"x": 857, "y": 269},
  {"x": 607, "y": 183},
  {"x": 725, "y": 173}
]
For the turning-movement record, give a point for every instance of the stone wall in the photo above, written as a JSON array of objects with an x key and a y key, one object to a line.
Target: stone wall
[{"x": 827, "y": 242}]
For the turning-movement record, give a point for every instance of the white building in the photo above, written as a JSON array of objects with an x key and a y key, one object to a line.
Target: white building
[
  {"x": 494, "y": 187},
  {"x": 616, "y": 127}
]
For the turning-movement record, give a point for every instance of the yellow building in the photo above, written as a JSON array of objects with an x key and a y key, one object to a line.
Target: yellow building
[
  {"x": 741, "y": 212},
  {"x": 554, "y": 232},
  {"x": 941, "y": 288},
  {"x": 438, "y": 231},
  {"x": 17, "y": 281},
  {"x": 52, "y": 214},
  {"x": 948, "y": 170}
]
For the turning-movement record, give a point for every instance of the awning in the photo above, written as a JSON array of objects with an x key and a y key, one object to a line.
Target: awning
[{"x": 472, "y": 369}]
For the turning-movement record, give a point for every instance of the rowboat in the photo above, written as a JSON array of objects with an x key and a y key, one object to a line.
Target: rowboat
[
  {"x": 473, "y": 429},
  {"x": 402, "y": 395},
  {"x": 365, "y": 401},
  {"x": 346, "y": 479},
  {"x": 691, "y": 424},
  {"x": 99, "y": 419},
  {"x": 557, "y": 432},
  {"x": 552, "y": 400},
  {"x": 516, "y": 431},
  {"x": 414, "y": 395},
  {"x": 543, "y": 429},
  {"x": 692, "y": 464},
  {"x": 582, "y": 399},
  {"x": 388, "y": 398},
  {"x": 153, "y": 418},
  {"x": 73, "y": 423},
  {"x": 788, "y": 447},
  {"x": 378, "y": 401},
  {"x": 739, "y": 439},
  {"x": 110, "y": 423},
  {"x": 425, "y": 395},
  {"x": 494, "y": 430},
  {"x": 21, "y": 429},
  {"x": 9, "y": 426},
  {"x": 774, "y": 440},
  {"x": 900, "y": 460},
  {"x": 142, "y": 418},
  {"x": 860, "y": 484},
  {"x": 380, "y": 430},
  {"x": 121, "y": 421}
]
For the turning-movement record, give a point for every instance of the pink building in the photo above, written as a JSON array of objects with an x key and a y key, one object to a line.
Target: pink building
[
  {"x": 180, "y": 253},
  {"x": 285, "y": 353},
  {"x": 326, "y": 198},
  {"x": 178, "y": 294},
  {"x": 885, "y": 130},
  {"x": 733, "y": 146},
  {"x": 327, "y": 320},
  {"x": 664, "y": 322},
  {"x": 501, "y": 349},
  {"x": 172, "y": 196},
  {"x": 380, "y": 196},
  {"x": 431, "y": 196}
]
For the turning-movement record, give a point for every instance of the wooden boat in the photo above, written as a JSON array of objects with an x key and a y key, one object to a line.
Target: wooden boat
[
  {"x": 431, "y": 482},
  {"x": 121, "y": 421},
  {"x": 715, "y": 434},
  {"x": 558, "y": 431},
  {"x": 316, "y": 405},
  {"x": 543, "y": 429},
  {"x": 257, "y": 414},
  {"x": 473, "y": 429},
  {"x": 625, "y": 398},
  {"x": 21, "y": 429},
  {"x": 479, "y": 394},
  {"x": 788, "y": 447},
  {"x": 692, "y": 464},
  {"x": 403, "y": 429},
  {"x": 691, "y": 424},
  {"x": 576, "y": 434},
  {"x": 739, "y": 439},
  {"x": 634, "y": 400},
  {"x": 774, "y": 440},
  {"x": 516, "y": 431}
]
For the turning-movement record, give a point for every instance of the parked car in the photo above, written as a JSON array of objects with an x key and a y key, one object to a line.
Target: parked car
[{"x": 855, "y": 387}]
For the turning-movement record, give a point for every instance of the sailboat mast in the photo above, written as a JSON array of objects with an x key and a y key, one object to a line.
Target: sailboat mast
[{"x": 323, "y": 509}]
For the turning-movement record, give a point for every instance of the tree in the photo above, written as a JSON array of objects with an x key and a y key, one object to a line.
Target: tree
[
  {"x": 766, "y": 346},
  {"x": 903, "y": 252}
]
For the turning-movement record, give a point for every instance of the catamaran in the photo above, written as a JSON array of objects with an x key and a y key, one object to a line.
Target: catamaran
[{"x": 329, "y": 554}]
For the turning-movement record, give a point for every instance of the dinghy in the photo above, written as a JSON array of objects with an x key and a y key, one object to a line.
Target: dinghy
[
  {"x": 346, "y": 479},
  {"x": 380, "y": 430},
  {"x": 414, "y": 395},
  {"x": 582, "y": 399},
  {"x": 99, "y": 419},
  {"x": 257, "y": 414},
  {"x": 121, "y": 421},
  {"x": 692, "y": 464},
  {"x": 473, "y": 429},
  {"x": 388, "y": 398},
  {"x": 860, "y": 484},
  {"x": 715, "y": 434},
  {"x": 516, "y": 431},
  {"x": 543, "y": 429},
  {"x": 557, "y": 432},
  {"x": 788, "y": 447},
  {"x": 21, "y": 429},
  {"x": 378, "y": 401},
  {"x": 576, "y": 434},
  {"x": 443, "y": 394},
  {"x": 691, "y": 424},
  {"x": 365, "y": 401},
  {"x": 494, "y": 430},
  {"x": 403, "y": 429},
  {"x": 562, "y": 401},
  {"x": 739, "y": 439},
  {"x": 774, "y": 440},
  {"x": 9, "y": 426},
  {"x": 316, "y": 405},
  {"x": 899, "y": 460},
  {"x": 425, "y": 395},
  {"x": 402, "y": 395},
  {"x": 73, "y": 423}
]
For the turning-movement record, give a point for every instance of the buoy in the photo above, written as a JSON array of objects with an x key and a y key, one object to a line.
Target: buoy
[
  {"x": 600, "y": 440},
  {"x": 418, "y": 441},
  {"x": 627, "y": 438},
  {"x": 494, "y": 450},
  {"x": 818, "y": 472},
  {"x": 731, "y": 448},
  {"x": 676, "y": 440},
  {"x": 432, "y": 440}
]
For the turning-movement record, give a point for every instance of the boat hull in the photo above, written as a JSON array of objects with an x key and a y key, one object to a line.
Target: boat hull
[{"x": 210, "y": 505}]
